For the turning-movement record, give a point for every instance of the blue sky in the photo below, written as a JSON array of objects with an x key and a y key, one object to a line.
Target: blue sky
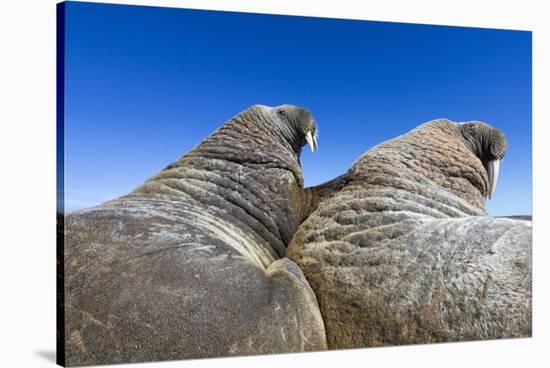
[{"x": 145, "y": 84}]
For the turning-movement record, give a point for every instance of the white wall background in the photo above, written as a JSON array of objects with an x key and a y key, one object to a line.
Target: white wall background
[{"x": 27, "y": 182}]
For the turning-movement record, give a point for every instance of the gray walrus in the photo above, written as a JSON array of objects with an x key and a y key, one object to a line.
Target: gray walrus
[
  {"x": 401, "y": 250},
  {"x": 189, "y": 264}
]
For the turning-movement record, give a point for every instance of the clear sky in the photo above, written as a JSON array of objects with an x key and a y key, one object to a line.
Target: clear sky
[{"x": 145, "y": 84}]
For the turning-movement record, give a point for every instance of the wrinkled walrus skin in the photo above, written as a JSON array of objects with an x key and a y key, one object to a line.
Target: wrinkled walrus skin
[
  {"x": 404, "y": 252},
  {"x": 189, "y": 264}
]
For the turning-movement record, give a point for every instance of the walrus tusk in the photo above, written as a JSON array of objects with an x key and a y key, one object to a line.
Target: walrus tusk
[
  {"x": 492, "y": 170},
  {"x": 312, "y": 141}
]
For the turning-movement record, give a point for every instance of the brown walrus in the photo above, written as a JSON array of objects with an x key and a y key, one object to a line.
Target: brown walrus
[
  {"x": 402, "y": 251},
  {"x": 189, "y": 265}
]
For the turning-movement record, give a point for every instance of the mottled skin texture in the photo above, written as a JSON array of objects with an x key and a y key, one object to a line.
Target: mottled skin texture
[
  {"x": 403, "y": 252},
  {"x": 189, "y": 264}
]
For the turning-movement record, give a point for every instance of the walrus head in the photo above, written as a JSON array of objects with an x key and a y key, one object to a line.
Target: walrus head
[
  {"x": 298, "y": 125},
  {"x": 489, "y": 145}
]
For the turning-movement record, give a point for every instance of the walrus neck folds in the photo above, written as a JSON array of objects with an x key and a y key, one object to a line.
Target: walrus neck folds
[
  {"x": 452, "y": 164},
  {"x": 247, "y": 168},
  {"x": 434, "y": 151},
  {"x": 251, "y": 138}
]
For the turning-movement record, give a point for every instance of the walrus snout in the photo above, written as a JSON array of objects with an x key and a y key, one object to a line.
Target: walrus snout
[
  {"x": 489, "y": 144},
  {"x": 498, "y": 145}
]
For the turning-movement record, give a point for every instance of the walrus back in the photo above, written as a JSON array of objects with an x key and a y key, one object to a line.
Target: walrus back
[{"x": 147, "y": 279}]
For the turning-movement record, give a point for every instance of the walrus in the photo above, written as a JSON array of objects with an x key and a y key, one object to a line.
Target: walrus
[
  {"x": 400, "y": 249},
  {"x": 190, "y": 264}
]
